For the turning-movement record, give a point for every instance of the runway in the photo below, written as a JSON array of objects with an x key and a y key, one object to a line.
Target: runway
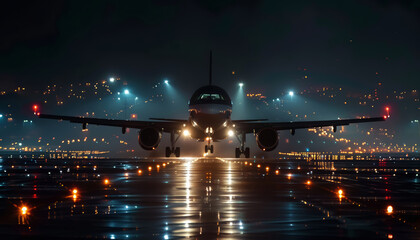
[{"x": 209, "y": 198}]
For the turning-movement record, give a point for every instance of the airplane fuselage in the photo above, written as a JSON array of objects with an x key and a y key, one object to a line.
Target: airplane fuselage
[{"x": 210, "y": 110}]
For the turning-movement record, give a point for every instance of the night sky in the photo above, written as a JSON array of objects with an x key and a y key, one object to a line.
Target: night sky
[{"x": 346, "y": 43}]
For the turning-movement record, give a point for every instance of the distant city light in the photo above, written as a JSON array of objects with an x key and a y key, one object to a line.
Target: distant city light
[
  {"x": 126, "y": 92},
  {"x": 112, "y": 79},
  {"x": 241, "y": 84},
  {"x": 389, "y": 209},
  {"x": 291, "y": 93},
  {"x": 166, "y": 81}
]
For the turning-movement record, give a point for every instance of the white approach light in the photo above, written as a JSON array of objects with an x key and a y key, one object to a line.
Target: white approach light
[
  {"x": 291, "y": 93},
  {"x": 241, "y": 84},
  {"x": 112, "y": 79},
  {"x": 166, "y": 81},
  {"x": 126, "y": 92}
]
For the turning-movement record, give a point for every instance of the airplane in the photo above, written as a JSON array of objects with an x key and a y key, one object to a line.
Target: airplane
[{"x": 210, "y": 110}]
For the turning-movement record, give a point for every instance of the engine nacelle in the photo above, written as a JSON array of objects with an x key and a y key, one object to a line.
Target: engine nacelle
[
  {"x": 149, "y": 138},
  {"x": 267, "y": 139}
]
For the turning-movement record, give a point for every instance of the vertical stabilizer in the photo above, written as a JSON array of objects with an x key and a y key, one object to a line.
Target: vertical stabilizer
[{"x": 210, "y": 69}]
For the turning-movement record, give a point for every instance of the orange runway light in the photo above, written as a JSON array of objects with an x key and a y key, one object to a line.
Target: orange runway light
[
  {"x": 277, "y": 172},
  {"x": 267, "y": 169},
  {"x": 340, "y": 192},
  {"x": 150, "y": 168},
  {"x": 158, "y": 166},
  {"x": 390, "y": 236},
  {"x": 258, "y": 166},
  {"x": 250, "y": 164},
  {"x": 106, "y": 181},
  {"x": 74, "y": 191},
  {"x": 389, "y": 209},
  {"x": 308, "y": 182},
  {"x": 140, "y": 172},
  {"x": 246, "y": 163},
  {"x": 164, "y": 164}
]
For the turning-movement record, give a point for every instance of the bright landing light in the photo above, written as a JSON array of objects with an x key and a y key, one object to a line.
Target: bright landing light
[
  {"x": 241, "y": 84},
  {"x": 291, "y": 93},
  {"x": 230, "y": 133},
  {"x": 126, "y": 92},
  {"x": 166, "y": 81},
  {"x": 186, "y": 132},
  {"x": 112, "y": 79}
]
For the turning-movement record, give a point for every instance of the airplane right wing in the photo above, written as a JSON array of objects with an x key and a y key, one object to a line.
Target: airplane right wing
[{"x": 250, "y": 127}]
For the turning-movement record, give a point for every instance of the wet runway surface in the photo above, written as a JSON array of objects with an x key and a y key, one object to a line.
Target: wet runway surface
[{"x": 209, "y": 199}]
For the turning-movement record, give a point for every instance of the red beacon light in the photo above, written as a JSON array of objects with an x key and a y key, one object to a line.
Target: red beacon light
[
  {"x": 35, "y": 107},
  {"x": 387, "y": 113}
]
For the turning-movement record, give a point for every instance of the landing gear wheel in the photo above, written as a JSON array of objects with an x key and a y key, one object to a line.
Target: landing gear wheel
[
  {"x": 168, "y": 151},
  {"x": 246, "y": 152},
  {"x": 211, "y": 149},
  {"x": 237, "y": 153},
  {"x": 177, "y": 152}
]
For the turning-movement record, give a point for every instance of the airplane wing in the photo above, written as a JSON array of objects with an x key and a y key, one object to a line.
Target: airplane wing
[
  {"x": 165, "y": 126},
  {"x": 250, "y": 127}
]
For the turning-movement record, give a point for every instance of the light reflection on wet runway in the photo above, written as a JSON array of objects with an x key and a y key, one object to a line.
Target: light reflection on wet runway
[{"x": 208, "y": 199}]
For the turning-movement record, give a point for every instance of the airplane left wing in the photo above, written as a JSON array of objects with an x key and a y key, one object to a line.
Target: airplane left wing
[
  {"x": 165, "y": 126},
  {"x": 251, "y": 127}
]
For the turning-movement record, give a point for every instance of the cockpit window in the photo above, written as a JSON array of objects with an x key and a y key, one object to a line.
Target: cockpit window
[{"x": 210, "y": 96}]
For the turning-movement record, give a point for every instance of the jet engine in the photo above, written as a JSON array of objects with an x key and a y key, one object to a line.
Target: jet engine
[
  {"x": 149, "y": 138},
  {"x": 267, "y": 139}
]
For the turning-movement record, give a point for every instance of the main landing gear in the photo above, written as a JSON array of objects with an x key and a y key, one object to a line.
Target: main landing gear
[
  {"x": 173, "y": 149},
  {"x": 242, "y": 150}
]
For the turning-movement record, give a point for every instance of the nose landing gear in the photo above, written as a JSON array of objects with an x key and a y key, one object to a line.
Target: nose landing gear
[{"x": 208, "y": 148}]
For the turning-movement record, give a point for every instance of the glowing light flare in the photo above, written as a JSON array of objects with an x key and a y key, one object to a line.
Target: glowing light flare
[
  {"x": 389, "y": 209},
  {"x": 340, "y": 192},
  {"x": 24, "y": 210},
  {"x": 258, "y": 166},
  {"x": 291, "y": 93},
  {"x": 308, "y": 182},
  {"x": 241, "y": 84},
  {"x": 150, "y": 168},
  {"x": 267, "y": 169},
  {"x": 164, "y": 164},
  {"x": 74, "y": 191},
  {"x": 106, "y": 181},
  {"x": 289, "y": 176},
  {"x": 230, "y": 133},
  {"x": 112, "y": 79},
  {"x": 390, "y": 236},
  {"x": 126, "y": 92},
  {"x": 140, "y": 171},
  {"x": 277, "y": 172},
  {"x": 186, "y": 133},
  {"x": 158, "y": 166}
]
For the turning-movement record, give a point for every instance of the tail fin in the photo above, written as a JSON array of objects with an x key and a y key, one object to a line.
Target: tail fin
[{"x": 210, "y": 69}]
